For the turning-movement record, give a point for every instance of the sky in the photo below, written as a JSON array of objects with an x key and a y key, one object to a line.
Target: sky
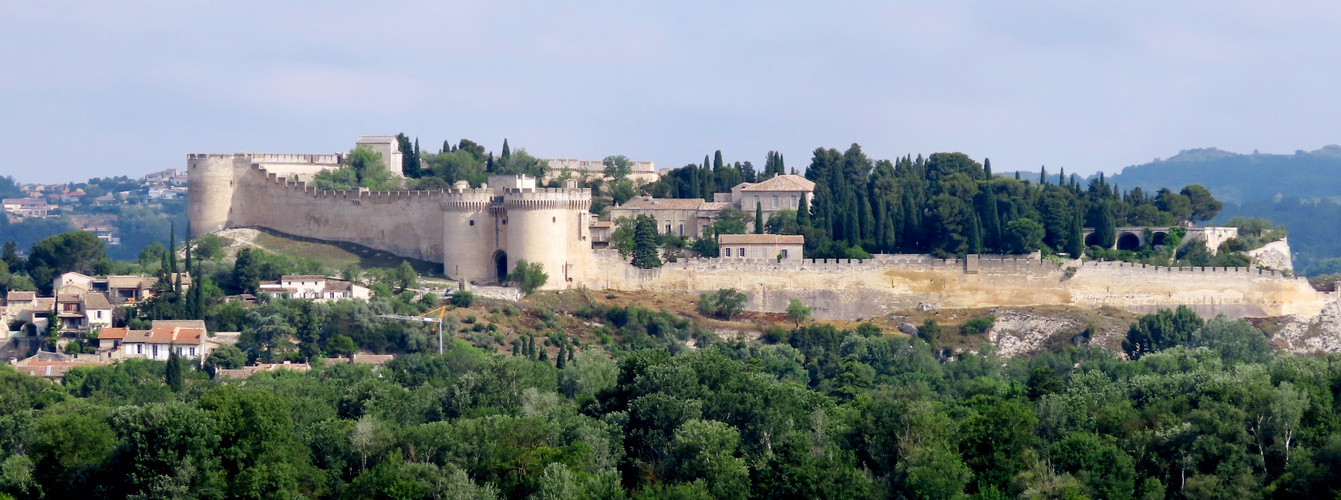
[{"x": 95, "y": 89}]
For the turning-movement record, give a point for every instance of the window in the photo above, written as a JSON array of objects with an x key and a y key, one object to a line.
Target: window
[
  {"x": 784, "y": 253},
  {"x": 728, "y": 252},
  {"x": 793, "y": 202},
  {"x": 155, "y": 350},
  {"x": 756, "y": 199},
  {"x": 668, "y": 228},
  {"x": 681, "y": 228},
  {"x": 554, "y": 219},
  {"x": 775, "y": 202},
  {"x": 193, "y": 350},
  {"x": 742, "y": 252},
  {"x": 472, "y": 222},
  {"x": 139, "y": 348}
]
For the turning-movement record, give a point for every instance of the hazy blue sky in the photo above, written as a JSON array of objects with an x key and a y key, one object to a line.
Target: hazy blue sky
[{"x": 110, "y": 88}]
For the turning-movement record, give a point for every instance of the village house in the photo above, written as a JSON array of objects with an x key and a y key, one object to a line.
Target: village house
[
  {"x": 691, "y": 217},
  {"x": 80, "y": 310},
  {"x": 318, "y": 288},
  {"x": 187, "y": 337},
  {"x": 777, "y": 247},
  {"x": 119, "y": 289},
  {"x": 28, "y": 207},
  {"x": 26, "y": 307}
]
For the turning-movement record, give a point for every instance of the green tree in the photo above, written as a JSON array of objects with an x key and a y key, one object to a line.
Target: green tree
[
  {"x": 173, "y": 377},
  {"x": 797, "y": 312},
  {"x": 1161, "y": 330},
  {"x": 645, "y": 253},
  {"x": 1023, "y": 236},
  {"x": 758, "y": 217},
  {"x": 76, "y": 251},
  {"x": 529, "y": 276},
  {"x": 405, "y": 276}
]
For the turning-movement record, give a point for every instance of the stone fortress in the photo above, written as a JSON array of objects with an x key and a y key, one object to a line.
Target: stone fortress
[{"x": 479, "y": 234}]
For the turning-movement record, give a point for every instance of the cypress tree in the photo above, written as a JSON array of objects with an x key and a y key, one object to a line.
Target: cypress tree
[
  {"x": 717, "y": 161},
  {"x": 975, "y": 235},
  {"x": 571, "y": 357},
  {"x": 803, "y": 212},
  {"x": 1107, "y": 227},
  {"x": 987, "y": 167},
  {"x": 1075, "y": 245},
  {"x": 516, "y": 347},
  {"x": 1043, "y": 176},
  {"x": 1017, "y": 175},
  {"x": 1061, "y": 177},
  {"x": 173, "y": 374},
  {"x": 758, "y": 217},
  {"x": 172, "y": 250},
  {"x": 991, "y": 222},
  {"x": 559, "y": 360},
  {"x": 506, "y": 151},
  {"x": 645, "y": 243}
]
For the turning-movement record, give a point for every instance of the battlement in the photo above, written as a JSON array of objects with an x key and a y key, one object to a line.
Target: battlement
[
  {"x": 312, "y": 159},
  {"x": 547, "y": 198},
  {"x": 1144, "y": 269}
]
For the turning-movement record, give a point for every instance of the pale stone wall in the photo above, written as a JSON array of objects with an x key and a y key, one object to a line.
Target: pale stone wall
[
  {"x": 841, "y": 288},
  {"x": 405, "y": 223}
]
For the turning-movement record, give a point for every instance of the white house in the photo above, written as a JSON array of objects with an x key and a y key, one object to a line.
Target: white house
[
  {"x": 318, "y": 288},
  {"x": 157, "y": 342}
]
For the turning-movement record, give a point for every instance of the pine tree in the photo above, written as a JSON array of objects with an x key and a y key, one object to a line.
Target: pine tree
[{"x": 758, "y": 217}]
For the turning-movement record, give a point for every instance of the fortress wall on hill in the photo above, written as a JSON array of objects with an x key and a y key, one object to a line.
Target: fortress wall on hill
[
  {"x": 405, "y": 223},
  {"x": 839, "y": 288}
]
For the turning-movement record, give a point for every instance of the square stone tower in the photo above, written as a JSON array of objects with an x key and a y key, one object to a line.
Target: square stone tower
[{"x": 390, "y": 149}]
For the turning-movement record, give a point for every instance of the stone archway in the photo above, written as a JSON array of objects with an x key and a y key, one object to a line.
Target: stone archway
[
  {"x": 1128, "y": 241},
  {"x": 501, "y": 266},
  {"x": 1158, "y": 238},
  {"x": 1092, "y": 240}
]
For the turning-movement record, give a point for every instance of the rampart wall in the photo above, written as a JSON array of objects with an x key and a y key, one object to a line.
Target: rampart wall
[
  {"x": 405, "y": 223},
  {"x": 842, "y": 288}
]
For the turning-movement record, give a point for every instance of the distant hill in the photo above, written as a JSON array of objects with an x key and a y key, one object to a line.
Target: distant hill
[{"x": 1239, "y": 178}]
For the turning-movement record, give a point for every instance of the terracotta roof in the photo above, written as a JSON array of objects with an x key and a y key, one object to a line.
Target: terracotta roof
[
  {"x": 761, "y": 239},
  {"x": 714, "y": 206},
  {"x": 647, "y": 203},
  {"x": 303, "y": 277},
  {"x": 20, "y": 296},
  {"x": 338, "y": 286},
  {"x": 782, "y": 183},
  {"x": 190, "y": 336},
  {"x": 96, "y": 301},
  {"x": 124, "y": 281},
  {"x": 112, "y": 333},
  {"x": 185, "y": 323}
]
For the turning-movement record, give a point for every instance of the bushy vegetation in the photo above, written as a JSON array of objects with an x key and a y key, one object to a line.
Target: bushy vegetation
[{"x": 823, "y": 413}]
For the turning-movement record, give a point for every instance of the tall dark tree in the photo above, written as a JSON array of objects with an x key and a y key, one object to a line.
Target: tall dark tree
[
  {"x": 173, "y": 374},
  {"x": 758, "y": 217},
  {"x": 645, "y": 255},
  {"x": 506, "y": 150}
]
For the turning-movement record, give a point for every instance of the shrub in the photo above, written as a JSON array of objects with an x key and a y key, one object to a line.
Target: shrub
[
  {"x": 929, "y": 331},
  {"x": 775, "y": 335},
  {"x": 463, "y": 298},
  {"x": 979, "y": 325}
]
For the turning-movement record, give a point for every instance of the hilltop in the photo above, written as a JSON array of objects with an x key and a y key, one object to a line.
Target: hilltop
[{"x": 1237, "y": 178}]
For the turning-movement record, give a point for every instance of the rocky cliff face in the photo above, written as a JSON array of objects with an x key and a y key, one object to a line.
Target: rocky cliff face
[
  {"x": 1274, "y": 255},
  {"x": 1306, "y": 335}
]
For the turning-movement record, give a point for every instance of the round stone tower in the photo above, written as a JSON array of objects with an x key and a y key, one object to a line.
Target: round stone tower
[
  {"x": 210, "y": 186},
  {"x": 470, "y": 239},
  {"x": 545, "y": 226}
]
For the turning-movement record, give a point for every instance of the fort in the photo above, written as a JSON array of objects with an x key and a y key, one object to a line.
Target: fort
[{"x": 478, "y": 234}]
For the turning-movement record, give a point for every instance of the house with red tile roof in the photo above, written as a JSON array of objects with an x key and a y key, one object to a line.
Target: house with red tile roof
[{"x": 187, "y": 337}]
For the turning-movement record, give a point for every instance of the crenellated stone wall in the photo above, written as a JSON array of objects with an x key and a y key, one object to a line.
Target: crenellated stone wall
[{"x": 842, "y": 288}]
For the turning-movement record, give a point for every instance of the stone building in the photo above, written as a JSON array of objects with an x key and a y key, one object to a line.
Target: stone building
[
  {"x": 779, "y": 247},
  {"x": 689, "y": 217},
  {"x": 783, "y": 192},
  {"x": 318, "y": 288}
]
